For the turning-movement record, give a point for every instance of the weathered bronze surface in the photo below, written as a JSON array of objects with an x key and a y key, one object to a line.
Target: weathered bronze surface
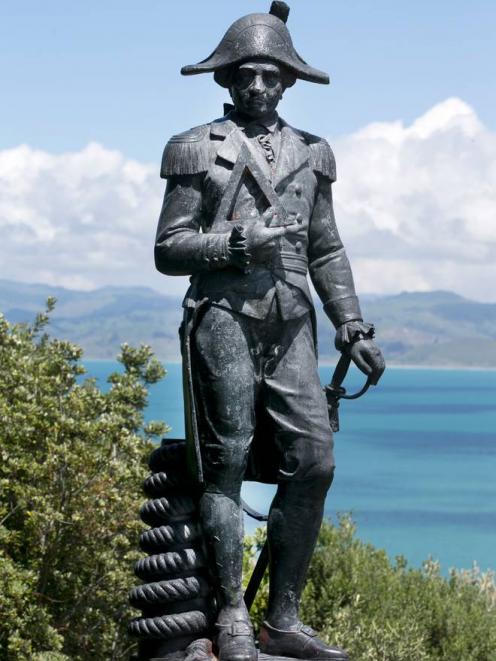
[{"x": 247, "y": 213}]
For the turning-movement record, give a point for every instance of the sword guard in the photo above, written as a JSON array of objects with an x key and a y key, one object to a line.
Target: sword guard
[{"x": 334, "y": 391}]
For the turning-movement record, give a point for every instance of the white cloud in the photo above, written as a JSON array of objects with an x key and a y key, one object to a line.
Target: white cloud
[
  {"x": 415, "y": 206},
  {"x": 79, "y": 220}
]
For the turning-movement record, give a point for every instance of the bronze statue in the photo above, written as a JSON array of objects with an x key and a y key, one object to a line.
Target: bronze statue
[{"x": 247, "y": 213}]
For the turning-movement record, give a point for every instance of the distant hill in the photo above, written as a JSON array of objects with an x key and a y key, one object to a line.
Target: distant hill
[
  {"x": 436, "y": 328},
  {"x": 101, "y": 320},
  {"x": 423, "y": 328}
]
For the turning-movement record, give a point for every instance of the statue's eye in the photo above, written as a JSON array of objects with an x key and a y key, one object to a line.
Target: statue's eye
[
  {"x": 243, "y": 78},
  {"x": 271, "y": 78}
]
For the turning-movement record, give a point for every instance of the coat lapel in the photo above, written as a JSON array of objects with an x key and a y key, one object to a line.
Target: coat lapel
[
  {"x": 233, "y": 140},
  {"x": 227, "y": 131},
  {"x": 231, "y": 145},
  {"x": 293, "y": 153}
]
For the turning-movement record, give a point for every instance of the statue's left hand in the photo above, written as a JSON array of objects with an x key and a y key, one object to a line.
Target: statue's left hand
[{"x": 368, "y": 358}]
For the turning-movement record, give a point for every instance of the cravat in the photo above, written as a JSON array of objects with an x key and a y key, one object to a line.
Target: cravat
[
  {"x": 265, "y": 143},
  {"x": 263, "y": 138}
]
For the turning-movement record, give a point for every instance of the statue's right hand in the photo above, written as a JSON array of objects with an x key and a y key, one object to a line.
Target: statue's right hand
[{"x": 261, "y": 238}]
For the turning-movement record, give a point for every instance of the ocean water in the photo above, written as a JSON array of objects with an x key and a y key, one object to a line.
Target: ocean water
[{"x": 416, "y": 461}]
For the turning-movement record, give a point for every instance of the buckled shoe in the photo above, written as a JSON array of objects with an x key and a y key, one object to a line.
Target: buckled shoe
[
  {"x": 235, "y": 641},
  {"x": 299, "y": 642}
]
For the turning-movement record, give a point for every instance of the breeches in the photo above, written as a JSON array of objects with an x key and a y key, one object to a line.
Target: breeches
[{"x": 258, "y": 379}]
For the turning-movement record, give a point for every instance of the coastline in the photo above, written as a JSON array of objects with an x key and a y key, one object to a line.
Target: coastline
[
  {"x": 447, "y": 368},
  {"x": 330, "y": 363}
]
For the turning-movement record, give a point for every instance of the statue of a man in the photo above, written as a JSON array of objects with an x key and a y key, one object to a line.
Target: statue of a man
[{"x": 247, "y": 212}]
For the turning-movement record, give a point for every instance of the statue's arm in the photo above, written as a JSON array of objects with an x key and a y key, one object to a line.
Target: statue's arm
[
  {"x": 329, "y": 266},
  {"x": 333, "y": 280},
  {"x": 180, "y": 247}
]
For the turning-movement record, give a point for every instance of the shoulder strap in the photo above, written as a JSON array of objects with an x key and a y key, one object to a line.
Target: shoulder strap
[
  {"x": 321, "y": 156},
  {"x": 187, "y": 153}
]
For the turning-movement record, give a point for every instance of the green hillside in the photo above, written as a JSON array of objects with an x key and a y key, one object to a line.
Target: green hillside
[
  {"x": 422, "y": 328},
  {"x": 435, "y": 328},
  {"x": 101, "y": 320}
]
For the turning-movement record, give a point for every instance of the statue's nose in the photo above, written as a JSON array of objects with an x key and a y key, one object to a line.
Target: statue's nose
[{"x": 257, "y": 85}]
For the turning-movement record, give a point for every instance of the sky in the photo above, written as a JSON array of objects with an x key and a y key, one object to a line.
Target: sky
[{"x": 92, "y": 92}]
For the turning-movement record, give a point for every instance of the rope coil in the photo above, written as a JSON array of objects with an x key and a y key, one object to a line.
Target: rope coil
[
  {"x": 170, "y": 626},
  {"x": 163, "y": 509},
  {"x": 176, "y": 597},
  {"x": 164, "y": 592},
  {"x": 168, "y": 536},
  {"x": 174, "y": 562},
  {"x": 162, "y": 482}
]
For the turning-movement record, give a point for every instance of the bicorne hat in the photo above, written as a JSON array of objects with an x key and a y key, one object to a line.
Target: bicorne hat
[{"x": 257, "y": 36}]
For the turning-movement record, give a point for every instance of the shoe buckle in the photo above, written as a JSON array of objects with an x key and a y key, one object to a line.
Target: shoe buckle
[
  {"x": 240, "y": 628},
  {"x": 308, "y": 630}
]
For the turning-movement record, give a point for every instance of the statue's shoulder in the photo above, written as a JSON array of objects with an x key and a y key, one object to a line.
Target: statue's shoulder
[
  {"x": 321, "y": 155},
  {"x": 187, "y": 153}
]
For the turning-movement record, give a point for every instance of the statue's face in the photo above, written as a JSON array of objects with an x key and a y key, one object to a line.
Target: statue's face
[{"x": 257, "y": 88}]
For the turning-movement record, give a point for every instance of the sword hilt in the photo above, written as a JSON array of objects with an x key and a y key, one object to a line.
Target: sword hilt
[{"x": 334, "y": 391}]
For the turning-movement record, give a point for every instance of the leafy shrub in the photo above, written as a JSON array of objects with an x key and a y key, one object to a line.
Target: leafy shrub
[
  {"x": 383, "y": 611},
  {"x": 72, "y": 461}
]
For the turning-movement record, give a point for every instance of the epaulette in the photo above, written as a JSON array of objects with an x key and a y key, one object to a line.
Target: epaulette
[
  {"x": 187, "y": 153},
  {"x": 322, "y": 159}
]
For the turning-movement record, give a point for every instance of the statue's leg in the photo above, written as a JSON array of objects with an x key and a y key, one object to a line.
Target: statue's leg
[
  {"x": 296, "y": 403},
  {"x": 225, "y": 389},
  {"x": 294, "y": 522}
]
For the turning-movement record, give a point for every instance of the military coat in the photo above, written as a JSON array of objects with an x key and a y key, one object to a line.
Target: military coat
[{"x": 193, "y": 239}]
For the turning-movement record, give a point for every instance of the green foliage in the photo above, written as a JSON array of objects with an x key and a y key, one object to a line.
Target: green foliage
[
  {"x": 381, "y": 611},
  {"x": 72, "y": 461}
]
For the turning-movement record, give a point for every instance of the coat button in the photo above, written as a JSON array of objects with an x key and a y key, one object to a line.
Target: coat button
[
  {"x": 298, "y": 246},
  {"x": 297, "y": 190}
]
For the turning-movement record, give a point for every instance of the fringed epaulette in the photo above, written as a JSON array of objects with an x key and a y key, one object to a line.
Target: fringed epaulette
[
  {"x": 321, "y": 157},
  {"x": 187, "y": 153}
]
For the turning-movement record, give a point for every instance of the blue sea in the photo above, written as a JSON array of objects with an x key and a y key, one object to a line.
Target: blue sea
[{"x": 416, "y": 461}]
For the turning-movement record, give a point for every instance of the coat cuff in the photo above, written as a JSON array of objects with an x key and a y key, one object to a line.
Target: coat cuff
[
  {"x": 214, "y": 254},
  {"x": 342, "y": 310},
  {"x": 237, "y": 248},
  {"x": 352, "y": 331}
]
